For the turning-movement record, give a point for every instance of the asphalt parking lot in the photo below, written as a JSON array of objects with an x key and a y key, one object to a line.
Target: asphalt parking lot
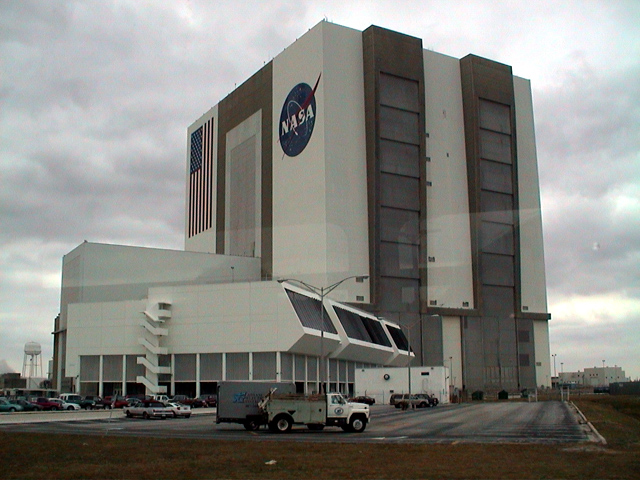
[{"x": 509, "y": 422}]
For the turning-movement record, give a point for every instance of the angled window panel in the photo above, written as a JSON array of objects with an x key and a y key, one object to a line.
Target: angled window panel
[
  {"x": 309, "y": 312},
  {"x": 352, "y": 324},
  {"x": 398, "y": 337},
  {"x": 376, "y": 331}
]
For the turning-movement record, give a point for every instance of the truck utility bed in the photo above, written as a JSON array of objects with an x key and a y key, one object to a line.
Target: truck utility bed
[{"x": 303, "y": 409}]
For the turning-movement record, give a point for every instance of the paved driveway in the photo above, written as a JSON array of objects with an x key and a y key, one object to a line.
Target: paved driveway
[{"x": 542, "y": 422}]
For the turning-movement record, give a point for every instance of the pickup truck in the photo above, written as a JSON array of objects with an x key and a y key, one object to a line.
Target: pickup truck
[
  {"x": 282, "y": 411},
  {"x": 148, "y": 409}
]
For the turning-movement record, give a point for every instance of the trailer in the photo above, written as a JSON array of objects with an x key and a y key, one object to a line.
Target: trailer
[{"x": 238, "y": 401}]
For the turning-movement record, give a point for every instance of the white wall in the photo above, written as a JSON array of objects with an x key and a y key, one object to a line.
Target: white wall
[
  {"x": 450, "y": 279},
  {"x": 534, "y": 292},
  {"x": 452, "y": 347},
  {"x": 372, "y": 382},
  {"x": 542, "y": 352},
  {"x": 345, "y": 156},
  {"x": 320, "y": 229},
  {"x": 234, "y": 317},
  {"x": 229, "y": 318}
]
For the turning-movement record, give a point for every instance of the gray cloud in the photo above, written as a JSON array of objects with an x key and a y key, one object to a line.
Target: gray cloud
[
  {"x": 96, "y": 98},
  {"x": 588, "y": 137}
]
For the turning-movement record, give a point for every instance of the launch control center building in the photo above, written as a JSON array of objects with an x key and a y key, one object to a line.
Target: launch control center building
[{"x": 351, "y": 153}]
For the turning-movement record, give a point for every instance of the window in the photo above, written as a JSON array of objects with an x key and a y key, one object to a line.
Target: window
[{"x": 309, "y": 312}]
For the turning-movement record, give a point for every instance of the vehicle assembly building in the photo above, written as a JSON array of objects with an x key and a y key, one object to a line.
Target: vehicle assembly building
[{"x": 349, "y": 155}]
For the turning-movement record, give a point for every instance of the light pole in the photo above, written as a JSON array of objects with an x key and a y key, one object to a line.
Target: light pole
[
  {"x": 555, "y": 374},
  {"x": 323, "y": 292},
  {"x": 451, "y": 384}
]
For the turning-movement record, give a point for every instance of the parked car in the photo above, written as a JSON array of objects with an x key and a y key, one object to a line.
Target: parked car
[
  {"x": 131, "y": 402},
  {"x": 209, "y": 400},
  {"x": 26, "y": 405},
  {"x": 363, "y": 399},
  {"x": 433, "y": 401},
  {"x": 148, "y": 409},
  {"x": 97, "y": 401},
  {"x": 6, "y": 406},
  {"x": 85, "y": 403},
  {"x": 179, "y": 410},
  {"x": 395, "y": 398},
  {"x": 419, "y": 400},
  {"x": 114, "y": 401},
  {"x": 46, "y": 404},
  {"x": 65, "y": 405},
  {"x": 195, "y": 402}
]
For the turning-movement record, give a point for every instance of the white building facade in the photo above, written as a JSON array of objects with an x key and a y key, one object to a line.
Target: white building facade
[{"x": 354, "y": 153}]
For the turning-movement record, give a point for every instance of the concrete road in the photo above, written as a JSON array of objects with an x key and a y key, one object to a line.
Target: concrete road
[{"x": 542, "y": 422}]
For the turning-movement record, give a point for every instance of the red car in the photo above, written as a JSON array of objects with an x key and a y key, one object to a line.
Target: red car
[
  {"x": 117, "y": 401},
  {"x": 209, "y": 400},
  {"x": 45, "y": 404}
]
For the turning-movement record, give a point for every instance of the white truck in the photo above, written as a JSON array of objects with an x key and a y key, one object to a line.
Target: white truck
[
  {"x": 238, "y": 401},
  {"x": 282, "y": 411}
]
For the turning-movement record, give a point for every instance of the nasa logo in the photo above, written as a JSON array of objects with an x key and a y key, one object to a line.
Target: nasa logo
[{"x": 297, "y": 118}]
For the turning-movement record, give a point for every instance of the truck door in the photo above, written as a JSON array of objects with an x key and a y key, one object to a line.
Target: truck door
[{"x": 336, "y": 407}]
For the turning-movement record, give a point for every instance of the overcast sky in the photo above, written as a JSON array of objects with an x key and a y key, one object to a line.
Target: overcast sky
[{"x": 96, "y": 97}]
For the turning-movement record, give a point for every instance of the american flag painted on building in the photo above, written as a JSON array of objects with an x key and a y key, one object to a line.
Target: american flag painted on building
[{"x": 201, "y": 179}]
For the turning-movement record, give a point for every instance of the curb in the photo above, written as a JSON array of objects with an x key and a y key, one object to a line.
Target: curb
[{"x": 599, "y": 438}]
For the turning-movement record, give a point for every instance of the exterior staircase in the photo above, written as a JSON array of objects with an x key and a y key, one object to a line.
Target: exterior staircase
[{"x": 153, "y": 332}]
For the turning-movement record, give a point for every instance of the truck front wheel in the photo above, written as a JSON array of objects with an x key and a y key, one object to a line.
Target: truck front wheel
[
  {"x": 281, "y": 424},
  {"x": 357, "y": 424}
]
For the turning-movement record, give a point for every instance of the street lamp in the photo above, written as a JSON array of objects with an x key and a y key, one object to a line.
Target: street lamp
[
  {"x": 555, "y": 374},
  {"x": 323, "y": 292},
  {"x": 450, "y": 375}
]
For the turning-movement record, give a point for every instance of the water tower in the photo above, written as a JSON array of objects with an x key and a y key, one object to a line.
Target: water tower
[{"x": 32, "y": 365}]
